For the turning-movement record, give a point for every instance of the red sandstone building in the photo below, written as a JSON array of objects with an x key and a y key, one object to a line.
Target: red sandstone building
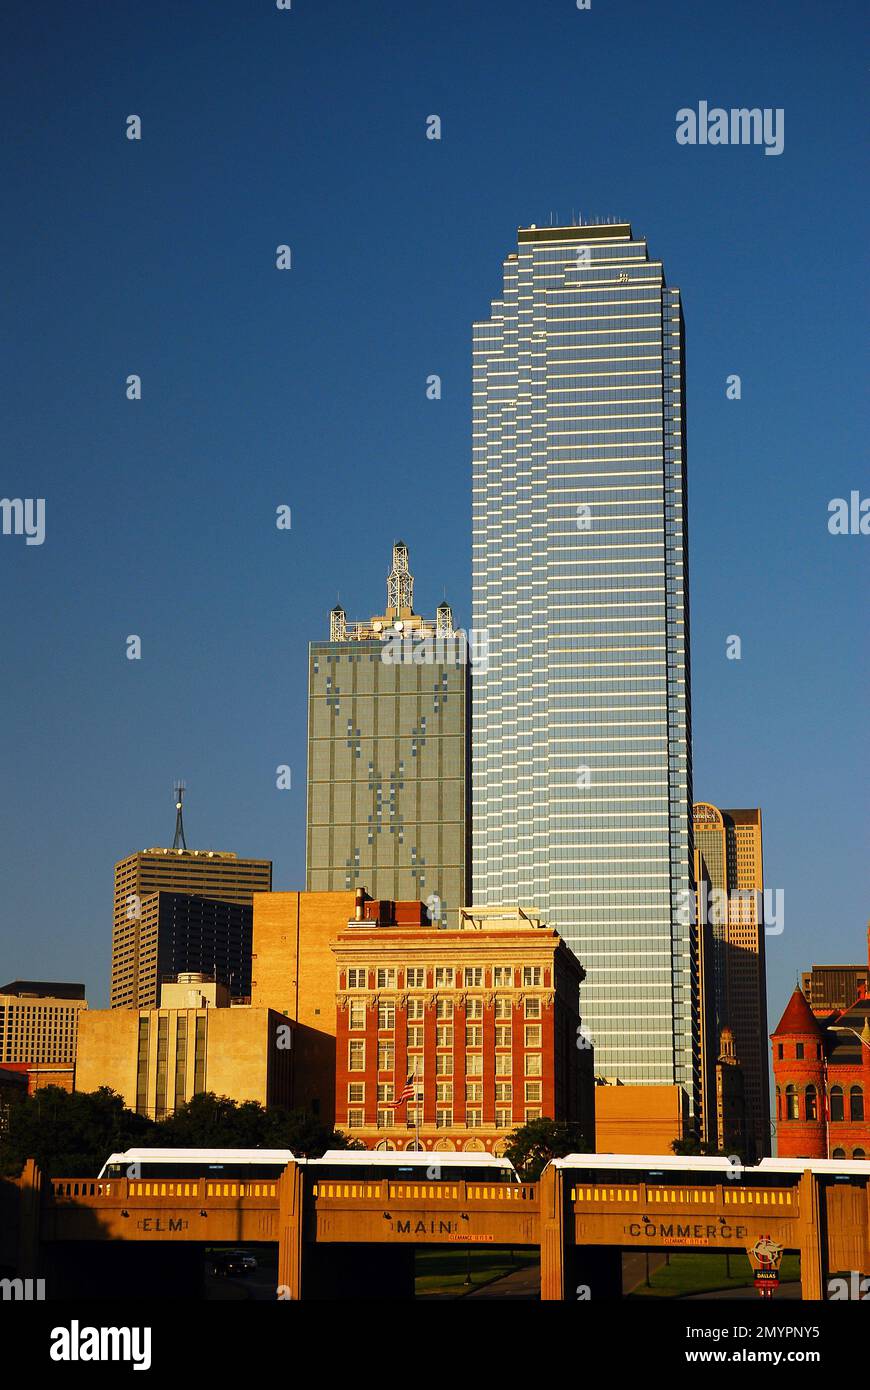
[
  {"x": 821, "y": 1067},
  {"x": 479, "y": 1027}
]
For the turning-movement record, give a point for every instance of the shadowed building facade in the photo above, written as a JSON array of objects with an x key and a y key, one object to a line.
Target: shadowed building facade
[
  {"x": 388, "y": 752},
  {"x": 730, "y": 927}
]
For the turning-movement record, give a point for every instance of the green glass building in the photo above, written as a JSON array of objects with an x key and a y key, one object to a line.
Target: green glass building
[{"x": 388, "y": 704}]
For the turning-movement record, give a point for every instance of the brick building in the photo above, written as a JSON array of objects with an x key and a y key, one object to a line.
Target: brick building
[
  {"x": 821, "y": 1069},
  {"x": 484, "y": 1022}
]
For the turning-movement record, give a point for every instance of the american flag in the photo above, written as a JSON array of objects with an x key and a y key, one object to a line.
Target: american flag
[{"x": 409, "y": 1092}]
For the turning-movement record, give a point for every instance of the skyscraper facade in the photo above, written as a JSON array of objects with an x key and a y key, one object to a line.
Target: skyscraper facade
[
  {"x": 388, "y": 754},
  {"x": 156, "y": 932},
  {"x": 582, "y": 716},
  {"x": 730, "y": 911}
]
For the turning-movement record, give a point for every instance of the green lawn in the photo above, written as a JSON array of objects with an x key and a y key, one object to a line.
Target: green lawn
[
  {"x": 703, "y": 1273},
  {"x": 445, "y": 1271}
]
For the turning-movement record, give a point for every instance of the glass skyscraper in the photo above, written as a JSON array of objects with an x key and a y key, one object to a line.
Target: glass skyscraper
[{"x": 581, "y": 762}]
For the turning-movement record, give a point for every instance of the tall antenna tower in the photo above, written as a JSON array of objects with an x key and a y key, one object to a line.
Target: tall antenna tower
[{"x": 179, "y": 789}]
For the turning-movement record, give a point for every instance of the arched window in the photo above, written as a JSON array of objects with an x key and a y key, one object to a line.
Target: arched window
[
  {"x": 838, "y": 1153},
  {"x": 856, "y": 1103},
  {"x": 858, "y": 1153},
  {"x": 778, "y": 1103},
  {"x": 837, "y": 1111},
  {"x": 791, "y": 1102},
  {"x": 811, "y": 1103}
]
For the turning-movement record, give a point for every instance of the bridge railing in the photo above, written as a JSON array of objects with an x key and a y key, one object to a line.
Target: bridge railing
[
  {"x": 782, "y": 1200},
  {"x": 112, "y": 1190},
  {"x": 514, "y": 1195}
]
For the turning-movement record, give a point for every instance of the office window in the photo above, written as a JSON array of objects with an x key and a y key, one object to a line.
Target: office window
[
  {"x": 533, "y": 1115},
  {"x": 503, "y": 1064},
  {"x": 444, "y": 1008},
  {"x": 503, "y": 1008},
  {"x": 355, "y": 1119},
  {"x": 533, "y": 975},
  {"x": 474, "y": 1036},
  {"x": 386, "y": 1017},
  {"x": 414, "y": 1116},
  {"x": 502, "y": 975},
  {"x": 811, "y": 1107},
  {"x": 444, "y": 1035},
  {"x": 415, "y": 976},
  {"x": 791, "y": 1103},
  {"x": 415, "y": 1035},
  {"x": 356, "y": 1055},
  {"x": 443, "y": 1119},
  {"x": 533, "y": 1091},
  {"x": 444, "y": 1091},
  {"x": 386, "y": 1056},
  {"x": 474, "y": 1091},
  {"x": 533, "y": 1064},
  {"x": 356, "y": 1092},
  {"x": 856, "y": 1103},
  {"x": 386, "y": 979},
  {"x": 443, "y": 1064},
  {"x": 533, "y": 1008},
  {"x": 838, "y": 1111},
  {"x": 386, "y": 1092},
  {"x": 504, "y": 1091},
  {"x": 474, "y": 1118},
  {"x": 386, "y": 1118},
  {"x": 502, "y": 1118},
  {"x": 473, "y": 1064},
  {"x": 502, "y": 1035},
  {"x": 799, "y": 1051},
  {"x": 415, "y": 1011},
  {"x": 533, "y": 1035},
  {"x": 356, "y": 1015},
  {"x": 444, "y": 977},
  {"x": 473, "y": 1009},
  {"x": 356, "y": 977},
  {"x": 473, "y": 977}
]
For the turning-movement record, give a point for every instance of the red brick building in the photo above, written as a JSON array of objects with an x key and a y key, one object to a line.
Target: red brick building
[
  {"x": 821, "y": 1069},
  {"x": 485, "y": 1021}
]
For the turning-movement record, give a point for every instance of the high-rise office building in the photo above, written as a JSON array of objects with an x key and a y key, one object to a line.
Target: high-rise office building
[
  {"x": 178, "y": 910},
  {"x": 39, "y": 1021},
  {"x": 730, "y": 915},
  {"x": 387, "y": 754},
  {"x": 582, "y": 717}
]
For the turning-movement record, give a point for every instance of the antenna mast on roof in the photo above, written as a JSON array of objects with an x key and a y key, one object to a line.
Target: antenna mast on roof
[{"x": 179, "y": 789}]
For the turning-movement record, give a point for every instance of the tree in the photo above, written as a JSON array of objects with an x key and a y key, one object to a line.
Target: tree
[
  {"x": 531, "y": 1146},
  {"x": 209, "y": 1121},
  {"x": 70, "y": 1134}
]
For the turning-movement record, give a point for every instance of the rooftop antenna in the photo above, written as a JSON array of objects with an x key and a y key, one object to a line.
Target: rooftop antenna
[{"x": 179, "y": 789}]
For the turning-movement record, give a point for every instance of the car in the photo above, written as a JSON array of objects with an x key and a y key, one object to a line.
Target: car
[{"x": 232, "y": 1262}]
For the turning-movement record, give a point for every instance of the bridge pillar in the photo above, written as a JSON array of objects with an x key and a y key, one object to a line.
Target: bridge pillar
[
  {"x": 29, "y": 1219},
  {"x": 812, "y": 1239},
  {"x": 290, "y": 1233},
  {"x": 552, "y": 1234}
]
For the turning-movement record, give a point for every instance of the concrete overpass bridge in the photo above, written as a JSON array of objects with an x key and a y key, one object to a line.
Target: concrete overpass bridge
[{"x": 347, "y": 1238}]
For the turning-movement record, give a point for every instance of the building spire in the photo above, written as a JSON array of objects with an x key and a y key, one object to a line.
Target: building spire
[
  {"x": 400, "y": 581},
  {"x": 179, "y": 842}
]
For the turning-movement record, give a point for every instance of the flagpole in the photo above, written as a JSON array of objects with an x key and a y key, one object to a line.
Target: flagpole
[{"x": 416, "y": 1105}]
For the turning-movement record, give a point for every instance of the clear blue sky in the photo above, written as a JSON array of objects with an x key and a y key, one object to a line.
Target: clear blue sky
[{"x": 307, "y": 388}]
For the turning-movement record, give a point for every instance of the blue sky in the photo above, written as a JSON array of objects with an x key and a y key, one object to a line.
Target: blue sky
[{"x": 307, "y": 388}]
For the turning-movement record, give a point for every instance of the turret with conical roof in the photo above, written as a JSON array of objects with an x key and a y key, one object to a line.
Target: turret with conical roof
[{"x": 799, "y": 1074}]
